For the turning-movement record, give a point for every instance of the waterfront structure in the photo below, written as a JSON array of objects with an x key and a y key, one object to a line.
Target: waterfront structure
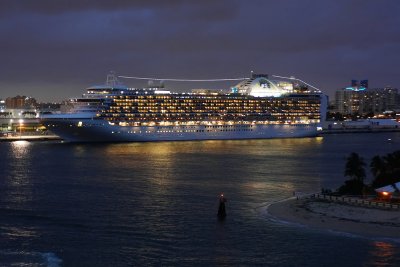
[
  {"x": 361, "y": 125},
  {"x": 358, "y": 99},
  {"x": 2, "y": 105},
  {"x": 379, "y": 100},
  {"x": 257, "y": 108},
  {"x": 18, "y": 114},
  {"x": 348, "y": 101},
  {"x": 15, "y": 126},
  {"x": 20, "y": 102}
]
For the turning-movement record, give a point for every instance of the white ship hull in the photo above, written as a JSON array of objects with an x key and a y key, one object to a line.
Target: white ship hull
[{"x": 97, "y": 130}]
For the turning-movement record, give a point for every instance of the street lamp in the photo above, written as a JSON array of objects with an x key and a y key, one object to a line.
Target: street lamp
[{"x": 21, "y": 121}]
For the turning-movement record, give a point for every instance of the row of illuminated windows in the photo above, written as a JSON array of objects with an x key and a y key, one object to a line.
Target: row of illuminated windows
[
  {"x": 117, "y": 118},
  {"x": 173, "y": 128},
  {"x": 193, "y": 131},
  {"x": 230, "y": 103},
  {"x": 160, "y": 119},
  {"x": 209, "y": 97},
  {"x": 221, "y": 99},
  {"x": 210, "y": 113},
  {"x": 123, "y": 103},
  {"x": 209, "y": 109},
  {"x": 219, "y": 104},
  {"x": 147, "y": 114},
  {"x": 195, "y": 101},
  {"x": 237, "y": 125},
  {"x": 127, "y": 106},
  {"x": 202, "y": 116}
]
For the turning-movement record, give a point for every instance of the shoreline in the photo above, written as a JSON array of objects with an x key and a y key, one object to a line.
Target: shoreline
[{"x": 337, "y": 217}]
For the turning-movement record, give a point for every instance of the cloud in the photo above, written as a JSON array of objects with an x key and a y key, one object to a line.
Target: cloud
[
  {"x": 67, "y": 6},
  {"x": 79, "y": 41}
]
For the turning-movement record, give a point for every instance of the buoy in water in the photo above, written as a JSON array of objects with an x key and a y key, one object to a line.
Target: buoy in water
[{"x": 221, "y": 208}]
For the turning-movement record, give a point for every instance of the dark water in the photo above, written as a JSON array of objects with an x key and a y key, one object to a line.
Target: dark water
[{"x": 155, "y": 204}]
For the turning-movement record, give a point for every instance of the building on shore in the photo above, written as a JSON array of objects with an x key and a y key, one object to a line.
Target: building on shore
[
  {"x": 359, "y": 99},
  {"x": 2, "y": 105},
  {"x": 20, "y": 115},
  {"x": 20, "y": 102},
  {"x": 362, "y": 124}
]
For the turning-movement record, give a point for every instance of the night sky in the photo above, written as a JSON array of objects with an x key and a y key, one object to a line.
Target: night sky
[{"x": 52, "y": 50}]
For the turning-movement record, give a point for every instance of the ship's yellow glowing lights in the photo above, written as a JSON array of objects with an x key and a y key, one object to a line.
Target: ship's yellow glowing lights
[{"x": 80, "y": 124}]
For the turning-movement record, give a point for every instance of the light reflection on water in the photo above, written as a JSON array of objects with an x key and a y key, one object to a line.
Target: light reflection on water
[
  {"x": 381, "y": 254},
  {"x": 18, "y": 175},
  {"x": 20, "y": 149},
  {"x": 154, "y": 161},
  {"x": 14, "y": 232}
]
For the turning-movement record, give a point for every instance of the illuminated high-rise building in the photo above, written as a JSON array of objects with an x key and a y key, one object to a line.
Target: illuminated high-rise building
[
  {"x": 364, "y": 84},
  {"x": 358, "y": 99}
]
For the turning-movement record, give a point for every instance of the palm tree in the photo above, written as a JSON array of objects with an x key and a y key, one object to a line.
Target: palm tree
[
  {"x": 389, "y": 171},
  {"x": 378, "y": 169},
  {"x": 386, "y": 170},
  {"x": 355, "y": 170},
  {"x": 377, "y": 166},
  {"x": 392, "y": 167},
  {"x": 355, "y": 167}
]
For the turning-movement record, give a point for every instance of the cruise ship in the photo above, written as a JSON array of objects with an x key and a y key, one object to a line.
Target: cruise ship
[{"x": 258, "y": 107}]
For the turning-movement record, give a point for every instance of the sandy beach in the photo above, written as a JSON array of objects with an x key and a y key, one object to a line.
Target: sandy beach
[{"x": 368, "y": 222}]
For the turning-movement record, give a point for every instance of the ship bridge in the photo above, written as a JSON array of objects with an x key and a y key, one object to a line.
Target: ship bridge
[
  {"x": 111, "y": 86},
  {"x": 260, "y": 85}
]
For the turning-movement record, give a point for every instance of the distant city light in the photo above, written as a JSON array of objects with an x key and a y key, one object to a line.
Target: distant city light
[{"x": 356, "y": 88}]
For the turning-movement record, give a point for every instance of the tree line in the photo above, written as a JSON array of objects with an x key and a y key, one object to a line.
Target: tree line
[{"x": 385, "y": 170}]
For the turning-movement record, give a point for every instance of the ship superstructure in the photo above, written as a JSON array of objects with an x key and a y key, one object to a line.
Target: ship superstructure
[{"x": 256, "y": 108}]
